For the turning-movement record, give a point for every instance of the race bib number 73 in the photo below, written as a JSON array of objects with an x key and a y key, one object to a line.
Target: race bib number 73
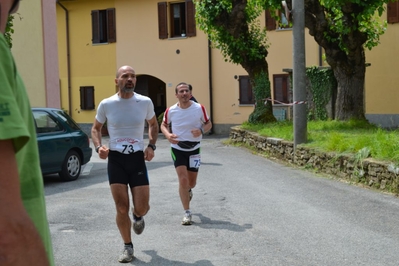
[{"x": 127, "y": 145}]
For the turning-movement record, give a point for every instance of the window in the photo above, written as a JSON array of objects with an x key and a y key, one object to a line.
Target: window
[
  {"x": 245, "y": 87},
  {"x": 284, "y": 21},
  {"x": 103, "y": 26},
  {"x": 181, "y": 19},
  {"x": 87, "y": 98},
  {"x": 280, "y": 88},
  {"x": 67, "y": 119},
  {"x": 45, "y": 123},
  {"x": 393, "y": 12},
  {"x": 271, "y": 22}
]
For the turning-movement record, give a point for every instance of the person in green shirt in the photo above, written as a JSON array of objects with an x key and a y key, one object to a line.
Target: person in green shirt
[{"x": 24, "y": 230}]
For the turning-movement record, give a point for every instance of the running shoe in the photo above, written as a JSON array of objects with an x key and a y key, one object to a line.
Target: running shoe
[
  {"x": 187, "y": 218},
  {"x": 127, "y": 255},
  {"x": 138, "y": 225}
]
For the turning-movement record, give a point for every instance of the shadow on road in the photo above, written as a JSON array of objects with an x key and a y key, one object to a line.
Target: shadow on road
[
  {"x": 206, "y": 223},
  {"x": 158, "y": 260}
]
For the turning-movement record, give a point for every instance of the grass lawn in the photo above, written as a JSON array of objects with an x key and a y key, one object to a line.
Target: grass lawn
[{"x": 338, "y": 136}]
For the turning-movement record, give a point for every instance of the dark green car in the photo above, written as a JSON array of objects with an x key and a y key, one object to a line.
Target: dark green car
[{"x": 63, "y": 146}]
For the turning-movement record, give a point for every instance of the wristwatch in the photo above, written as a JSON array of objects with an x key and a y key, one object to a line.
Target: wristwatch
[
  {"x": 98, "y": 147},
  {"x": 152, "y": 146}
]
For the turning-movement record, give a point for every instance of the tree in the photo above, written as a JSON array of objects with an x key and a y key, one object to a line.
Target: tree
[
  {"x": 233, "y": 27},
  {"x": 344, "y": 28}
]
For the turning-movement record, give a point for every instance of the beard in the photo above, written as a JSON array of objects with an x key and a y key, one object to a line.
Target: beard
[{"x": 127, "y": 90}]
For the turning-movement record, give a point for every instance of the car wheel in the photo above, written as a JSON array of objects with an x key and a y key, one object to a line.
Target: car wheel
[{"x": 71, "y": 166}]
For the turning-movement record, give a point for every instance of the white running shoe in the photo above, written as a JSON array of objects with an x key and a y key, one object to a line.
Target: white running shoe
[
  {"x": 187, "y": 218},
  {"x": 127, "y": 255}
]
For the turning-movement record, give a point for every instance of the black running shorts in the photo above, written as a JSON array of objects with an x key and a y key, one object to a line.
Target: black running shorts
[
  {"x": 127, "y": 169},
  {"x": 186, "y": 157}
]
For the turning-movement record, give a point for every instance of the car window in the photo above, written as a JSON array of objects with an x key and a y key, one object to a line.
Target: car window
[
  {"x": 45, "y": 123},
  {"x": 67, "y": 119}
]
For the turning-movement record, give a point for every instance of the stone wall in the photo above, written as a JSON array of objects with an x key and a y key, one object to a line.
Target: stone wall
[{"x": 369, "y": 172}]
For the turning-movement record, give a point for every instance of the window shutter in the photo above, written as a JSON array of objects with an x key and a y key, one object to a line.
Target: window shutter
[
  {"x": 190, "y": 19},
  {"x": 393, "y": 12},
  {"x": 280, "y": 88},
  {"x": 111, "y": 27},
  {"x": 270, "y": 21},
  {"x": 87, "y": 98},
  {"x": 82, "y": 98},
  {"x": 95, "y": 16},
  {"x": 162, "y": 21},
  {"x": 246, "y": 95}
]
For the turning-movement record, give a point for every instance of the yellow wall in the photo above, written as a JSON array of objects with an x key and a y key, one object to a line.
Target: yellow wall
[
  {"x": 90, "y": 65},
  {"x": 28, "y": 50},
  {"x": 382, "y": 79},
  {"x": 138, "y": 45},
  {"x": 150, "y": 55},
  {"x": 141, "y": 48}
]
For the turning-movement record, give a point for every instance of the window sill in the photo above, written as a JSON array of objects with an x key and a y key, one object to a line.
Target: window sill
[
  {"x": 284, "y": 29},
  {"x": 177, "y": 38},
  {"x": 100, "y": 43}
]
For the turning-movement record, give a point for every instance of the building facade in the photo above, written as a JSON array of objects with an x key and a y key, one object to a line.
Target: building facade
[{"x": 162, "y": 43}]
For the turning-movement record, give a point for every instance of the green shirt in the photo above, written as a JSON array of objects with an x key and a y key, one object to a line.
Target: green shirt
[{"x": 16, "y": 123}]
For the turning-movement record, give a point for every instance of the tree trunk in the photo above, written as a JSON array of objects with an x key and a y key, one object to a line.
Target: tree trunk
[
  {"x": 347, "y": 63},
  {"x": 258, "y": 72},
  {"x": 242, "y": 47},
  {"x": 350, "y": 94}
]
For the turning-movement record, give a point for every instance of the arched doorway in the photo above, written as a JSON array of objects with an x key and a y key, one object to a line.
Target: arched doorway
[{"x": 155, "y": 89}]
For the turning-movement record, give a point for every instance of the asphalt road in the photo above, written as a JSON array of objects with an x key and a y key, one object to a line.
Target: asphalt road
[{"x": 247, "y": 210}]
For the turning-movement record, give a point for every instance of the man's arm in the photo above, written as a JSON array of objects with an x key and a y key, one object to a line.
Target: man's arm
[
  {"x": 153, "y": 130},
  {"x": 96, "y": 133},
  {"x": 20, "y": 241},
  {"x": 102, "y": 150},
  {"x": 207, "y": 126},
  {"x": 165, "y": 129}
]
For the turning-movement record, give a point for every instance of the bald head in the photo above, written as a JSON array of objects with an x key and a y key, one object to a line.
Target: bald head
[{"x": 124, "y": 69}]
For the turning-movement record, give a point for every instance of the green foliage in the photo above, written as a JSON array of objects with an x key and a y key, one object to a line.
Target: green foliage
[
  {"x": 252, "y": 41},
  {"x": 280, "y": 129},
  {"x": 261, "y": 91},
  {"x": 9, "y": 30},
  {"x": 234, "y": 28},
  {"x": 362, "y": 154},
  {"x": 353, "y": 136},
  {"x": 160, "y": 118},
  {"x": 322, "y": 83},
  {"x": 346, "y": 17}
]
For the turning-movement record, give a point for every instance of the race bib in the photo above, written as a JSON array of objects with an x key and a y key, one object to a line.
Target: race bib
[
  {"x": 195, "y": 161},
  {"x": 127, "y": 145}
]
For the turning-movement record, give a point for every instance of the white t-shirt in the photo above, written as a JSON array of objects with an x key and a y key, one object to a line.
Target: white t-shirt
[
  {"x": 125, "y": 121},
  {"x": 185, "y": 120}
]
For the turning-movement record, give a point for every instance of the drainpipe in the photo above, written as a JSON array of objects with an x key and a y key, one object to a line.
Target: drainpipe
[
  {"x": 210, "y": 83},
  {"x": 320, "y": 56},
  {"x": 68, "y": 58}
]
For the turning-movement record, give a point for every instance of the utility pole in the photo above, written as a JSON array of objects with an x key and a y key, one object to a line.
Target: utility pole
[{"x": 299, "y": 72}]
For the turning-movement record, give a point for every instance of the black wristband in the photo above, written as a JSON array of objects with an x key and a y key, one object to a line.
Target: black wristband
[{"x": 152, "y": 146}]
